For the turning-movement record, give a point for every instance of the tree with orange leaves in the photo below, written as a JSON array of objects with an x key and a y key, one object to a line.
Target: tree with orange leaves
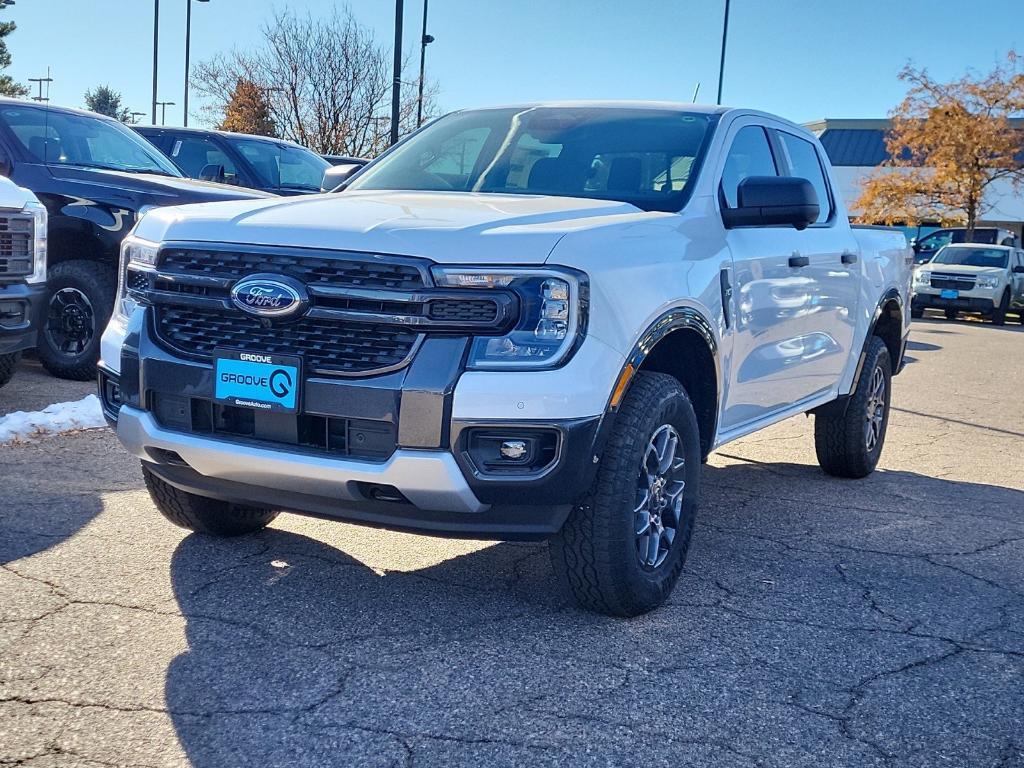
[{"x": 948, "y": 144}]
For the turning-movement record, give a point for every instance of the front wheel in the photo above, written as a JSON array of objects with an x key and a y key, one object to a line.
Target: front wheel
[
  {"x": 622, "y": 549},
  {"x": 81, "y": 298},
  {"x": 999, "y": 313},
  {"x": 917, "y": 314},
  {"x": 951, "y": 314},
  {"x": 203, "y": 515},
  {"x": 850, "y": 444}
]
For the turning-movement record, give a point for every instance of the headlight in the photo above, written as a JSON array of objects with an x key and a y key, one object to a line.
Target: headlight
[
  {"x": 922, "y": 278},
  {"x": 139, "y": 254},
  {"x": 553, "y": 314},
  {"x": 38, "y": 214},
  {"x": 987, "y": 281}
]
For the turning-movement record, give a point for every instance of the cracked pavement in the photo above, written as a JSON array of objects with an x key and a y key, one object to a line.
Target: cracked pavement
[{"x": 818, "y": 621}]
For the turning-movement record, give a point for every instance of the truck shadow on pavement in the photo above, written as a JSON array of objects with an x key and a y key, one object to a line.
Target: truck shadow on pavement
[{"x": 865, "y": 619}]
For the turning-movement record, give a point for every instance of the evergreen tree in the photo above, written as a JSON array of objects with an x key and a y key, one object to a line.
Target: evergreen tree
[
  {"x": 248, "y": 111},
  {"x": 106, "y": 101},
  {"x": 7, "y": 85}
]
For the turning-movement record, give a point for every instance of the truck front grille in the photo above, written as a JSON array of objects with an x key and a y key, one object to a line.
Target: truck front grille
[
  {"x": 15, "y": 245},
  {"x": 327, "y": 346},
  {"x": 353, "y": 271},
  {"x": 952, "y": 282}
]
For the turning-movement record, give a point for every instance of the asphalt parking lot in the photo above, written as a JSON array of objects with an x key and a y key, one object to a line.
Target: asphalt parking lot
[{"x": 818, "y": 622}]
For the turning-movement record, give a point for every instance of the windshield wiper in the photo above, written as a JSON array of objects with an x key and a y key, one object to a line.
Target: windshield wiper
[{"x": 122, "y": 169}]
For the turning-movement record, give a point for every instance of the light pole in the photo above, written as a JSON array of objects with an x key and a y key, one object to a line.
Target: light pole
[
  {"x": 721, "y": 65},
  {"x": 425, "y": 40},
  {"x": 396, "y": 85},
  {"x": 188, "y": 44},
  {"x": 135, "y": 117},
  {"x": 163, "y": 111},
  {"x": 156, "y": 49},
  {"x": 40, "y": 81}
]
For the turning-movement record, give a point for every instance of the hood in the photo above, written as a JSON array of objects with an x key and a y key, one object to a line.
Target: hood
[
  {"x": 447, "y": 227},
  {"x": 153, "y": 188},
  {"x": 961, "y": 269},
  {"x": 12, "y": 196}
]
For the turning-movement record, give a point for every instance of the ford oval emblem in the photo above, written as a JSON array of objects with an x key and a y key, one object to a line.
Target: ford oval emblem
[{"x": 270, "y": 296}]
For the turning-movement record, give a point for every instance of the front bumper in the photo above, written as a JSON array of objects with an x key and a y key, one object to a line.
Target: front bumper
[
  {"x": 982, "y": 304},
  {"x": 21, "y": 316},
  {"x": 429, "y": 483}
]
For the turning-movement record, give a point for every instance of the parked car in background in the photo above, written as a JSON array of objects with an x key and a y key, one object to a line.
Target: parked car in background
[
  {"x": 523, "y": 322},
  {"x": 94, "y": 176},
  {"x": 342, "y": 168},
  {"x": 255, "y": 162},
  {"x": 926, "y": 247},
  {"x": 987, "y": 279},
  {"x": 22, "y": 273}
]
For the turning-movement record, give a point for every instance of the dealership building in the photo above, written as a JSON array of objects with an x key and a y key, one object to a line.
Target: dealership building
[{"x": 857, "y": 148}]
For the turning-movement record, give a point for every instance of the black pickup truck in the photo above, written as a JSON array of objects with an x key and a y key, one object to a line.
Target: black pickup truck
[{"x": 94, "y": 175}]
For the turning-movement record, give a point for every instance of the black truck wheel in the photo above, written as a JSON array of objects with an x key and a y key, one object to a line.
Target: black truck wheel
[
  {"x": 203, "y": 515},
  {"x": 951, "y": 314},
  {"x": 80, "y": 300},
  {"x": 999, "y": 313},
  {"x": 850, "y": 444},
  {"x": 622, "y": 549},
  {"x": 7, "y": 365},
  {"x": 917, "y": 313}
]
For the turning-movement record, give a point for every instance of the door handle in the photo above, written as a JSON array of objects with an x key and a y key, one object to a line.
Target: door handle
[
  {"x": 799, "y": 261},
  {"x": 849, "y": 258}
]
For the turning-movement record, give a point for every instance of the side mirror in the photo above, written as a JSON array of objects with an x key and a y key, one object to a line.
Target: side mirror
[
  {"x": 764, "y": 201},
  {"x": 1019, "y": 269},
  {"x": 212, "y": 172},
  {"x": 337, "y": 174}
]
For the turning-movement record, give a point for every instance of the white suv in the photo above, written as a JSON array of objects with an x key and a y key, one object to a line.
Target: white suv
[{"x": 988, "y": 279}]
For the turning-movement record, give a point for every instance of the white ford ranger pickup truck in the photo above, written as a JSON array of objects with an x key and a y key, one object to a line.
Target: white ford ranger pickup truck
[{"x": 523, "y": 322}]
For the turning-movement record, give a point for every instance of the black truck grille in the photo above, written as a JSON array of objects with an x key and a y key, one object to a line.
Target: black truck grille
[
  {"x": 15, "y": 245},
  {"x": 327, "y": 346},
  {"x": 366, "y": 271}
]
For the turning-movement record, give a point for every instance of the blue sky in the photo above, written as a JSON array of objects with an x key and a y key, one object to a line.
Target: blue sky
[{"x": 804, "y": 59}]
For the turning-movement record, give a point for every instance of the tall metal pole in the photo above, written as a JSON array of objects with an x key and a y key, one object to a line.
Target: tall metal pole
[
  {"x": 396, "y": 86},
  {"x": 721, "y": 66},
  {"x": 425, "y": 40},
  {"x": 188, "y": 42},
  {"x": 156, "y": 48}
]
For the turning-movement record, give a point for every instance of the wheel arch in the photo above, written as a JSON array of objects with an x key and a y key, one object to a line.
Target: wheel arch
[{"x": 681, "y": 343}]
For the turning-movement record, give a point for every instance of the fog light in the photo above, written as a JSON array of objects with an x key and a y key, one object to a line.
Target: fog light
[{"x": 513, "y": 449}]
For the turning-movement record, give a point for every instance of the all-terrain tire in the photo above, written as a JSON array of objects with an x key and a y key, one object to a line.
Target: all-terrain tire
[
  {"x": 842, "y": 442},
  {"x": 596, "y": 554},
  {"x": 203, "y": 515},
  {"x": 7, "y": 365},
  {"x": 951, "y": 314},
  {"x": 999, "y": 313},
  {"x": 97, "y": 283}
]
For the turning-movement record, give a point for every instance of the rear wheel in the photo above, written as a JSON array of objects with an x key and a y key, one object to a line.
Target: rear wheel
[
  {"x": 951, "y": 314},
  {"x": 203, "y": 515},
  {"x": 621, "y": 551},
  {"x": 7, "y": 365},
  {"x": 999, "y": 313},
  {"x": 81, "y": 297},
  {"x": 850, "y": 444}
]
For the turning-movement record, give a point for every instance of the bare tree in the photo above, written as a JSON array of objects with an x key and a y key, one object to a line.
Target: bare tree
[{"x": 326, "y": 79}]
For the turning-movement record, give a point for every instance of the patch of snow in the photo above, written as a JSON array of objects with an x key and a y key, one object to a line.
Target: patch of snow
[{"x": 59, "y": 417}]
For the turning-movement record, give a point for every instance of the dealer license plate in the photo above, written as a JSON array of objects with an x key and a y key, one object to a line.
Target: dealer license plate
[
  {"x": 255, "y": 380},
  {"x": 949, "y": 293}
]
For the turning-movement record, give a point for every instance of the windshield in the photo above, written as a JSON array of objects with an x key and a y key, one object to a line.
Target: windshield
[
  {"x": 645, "y": 157},
  {"x": 942, "y": 237},
  {"x": 62, "y": 138},
  {"x": 280, "y": 166},
  {"x": 973, "y": 257}
]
